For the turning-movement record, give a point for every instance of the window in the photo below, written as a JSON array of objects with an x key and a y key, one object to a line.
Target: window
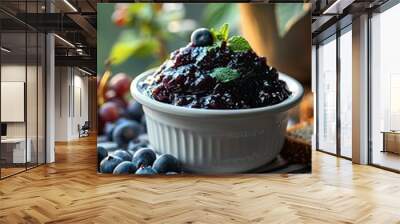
[
  {"x": 346, "y": 93},
  {"x": 385, "y": 89},
  {"x": 326, "y": 91}
]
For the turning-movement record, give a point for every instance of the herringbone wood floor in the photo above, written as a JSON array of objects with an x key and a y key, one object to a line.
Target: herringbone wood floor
[{"x": 70, "y": 191}]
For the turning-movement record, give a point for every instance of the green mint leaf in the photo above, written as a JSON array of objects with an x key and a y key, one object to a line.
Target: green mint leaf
[
  {"x": 221, "y": 34},
  {"x": 214, "y": 46},
  {"x": 224, "y": 31},
  {"x": 224, "y": 74},
  {"x": 238, "y": 43}
]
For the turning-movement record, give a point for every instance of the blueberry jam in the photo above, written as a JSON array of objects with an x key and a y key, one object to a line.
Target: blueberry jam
[{"x": 218, "y": 76}]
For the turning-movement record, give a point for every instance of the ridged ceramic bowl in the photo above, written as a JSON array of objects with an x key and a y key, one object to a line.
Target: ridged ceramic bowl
[{"x": 217, "y": 141}]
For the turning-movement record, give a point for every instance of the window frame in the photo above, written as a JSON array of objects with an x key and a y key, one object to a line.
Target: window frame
[
  {"x": 378, "y": 10},
  {"x": 333, "y": 37}
]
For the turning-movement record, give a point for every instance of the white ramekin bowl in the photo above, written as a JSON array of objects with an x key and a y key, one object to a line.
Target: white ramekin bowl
[{"x": 217, "y": 141}]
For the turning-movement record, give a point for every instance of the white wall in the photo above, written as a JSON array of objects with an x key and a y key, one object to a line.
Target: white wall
[{"x": 71, "y": 102}]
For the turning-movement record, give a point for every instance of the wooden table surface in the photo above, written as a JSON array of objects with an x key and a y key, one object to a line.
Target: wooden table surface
[{"x": 70, "y": 191}]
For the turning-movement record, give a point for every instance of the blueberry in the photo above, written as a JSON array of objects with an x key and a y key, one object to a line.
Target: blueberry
[
  {"x": 136, "y": 144},
  {"x": 125, "y": 167},
  {"x": 144, "y": 157},
  {"x": 108, "y": 130},
  {"x": 125, "y": 132},
  {"x": 166, "y": 163},
  {"x": 202, "y": 37},
  {"x": 101, "y": 154},
  {"x": 146, "y": 171},
  {"x": 108, "y": 164},
  {"x": 134, "y": 111},
  {"x": 124, "y": 155},
  {"x": 110, "y": 127}
]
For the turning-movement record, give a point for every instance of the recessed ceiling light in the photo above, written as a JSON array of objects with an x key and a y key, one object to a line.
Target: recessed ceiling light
[
  {"x": 5, "y": 50},
  {"x": 64, "y": 40},
  {"x": 337, "y": 7},
  {"x": 84, "y": 71},
  {"x": 70, "y": 5}
]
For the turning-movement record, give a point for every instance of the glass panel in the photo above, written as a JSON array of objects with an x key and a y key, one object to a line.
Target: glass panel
[
  {"x": 41, "y": 99},
  {"x": 385, "y": 84},
  {"x": 31, "y": 97},
  {"x": 13, "y": 85},
  {"x": 345, "y": 94},
  {"x": 327, "y": 96}
]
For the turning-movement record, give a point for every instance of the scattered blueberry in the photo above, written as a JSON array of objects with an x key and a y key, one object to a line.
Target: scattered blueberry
[
  {"x": 108, "y": 164},
  {"x": 144, "y": 157},
  {"x": 126, "y": 167},
  {"x": 134, "y": 111},
  {"x": 146, "y": 171},
  {"x": 166, "y": 163},
  {"x": 101, "y": 153},
  {"x": 108, "y": 130},
  {"x": 125, "y": 132},
  {"x": 124, "y": 155},
  {"x": 202, "y": 37},
  {"x": 136, "y": 144}
]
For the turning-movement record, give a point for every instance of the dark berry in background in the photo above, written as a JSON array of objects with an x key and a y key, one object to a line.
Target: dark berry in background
[
  {"x": 120, "y": 83},
  {"x": 126, "y": 167},
  {"x": 125, "y": 132},
  {"x": 110, "y": 112},
  {"x": 167, "y": 163},
  {"x": 108, "y": 164},
  {"x": 144, "y": 157},
  {"x": 134, "y": 111}
]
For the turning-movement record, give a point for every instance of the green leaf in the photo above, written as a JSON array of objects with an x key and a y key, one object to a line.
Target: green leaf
[
  {"x": 224, "y": 31},
  {"x": 288, "y": 14},
  {"x": 147, "y": 48},
  {"x": 238, "y": 43},
  {"x": 131, "y": 45},
  {"x": 224, "y": 74},
  {"x": 136, "y": 8},
  {"x": 221, "y": 34},
  {"x": 215, "y": 45},
  {"x": 121, "y": 51}
]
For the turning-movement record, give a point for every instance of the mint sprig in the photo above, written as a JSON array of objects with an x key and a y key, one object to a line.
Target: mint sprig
[
  {"x": 224, "y": 74},
  {"x": 238, "y": 44},
  {"x": 222, "y": 33}
]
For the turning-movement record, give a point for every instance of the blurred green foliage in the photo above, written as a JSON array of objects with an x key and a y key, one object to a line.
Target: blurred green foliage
[
  {"x": 288, "y": 14},
  {"x": 143, "y": 35},
  {"x": 215, "y": 15}
]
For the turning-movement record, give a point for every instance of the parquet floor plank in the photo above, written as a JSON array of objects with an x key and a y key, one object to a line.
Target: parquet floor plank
[{"x": 70, "y": 191}]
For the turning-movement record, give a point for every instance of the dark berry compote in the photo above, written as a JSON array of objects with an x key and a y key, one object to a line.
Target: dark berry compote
[{"x": 215, "y": 72}]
